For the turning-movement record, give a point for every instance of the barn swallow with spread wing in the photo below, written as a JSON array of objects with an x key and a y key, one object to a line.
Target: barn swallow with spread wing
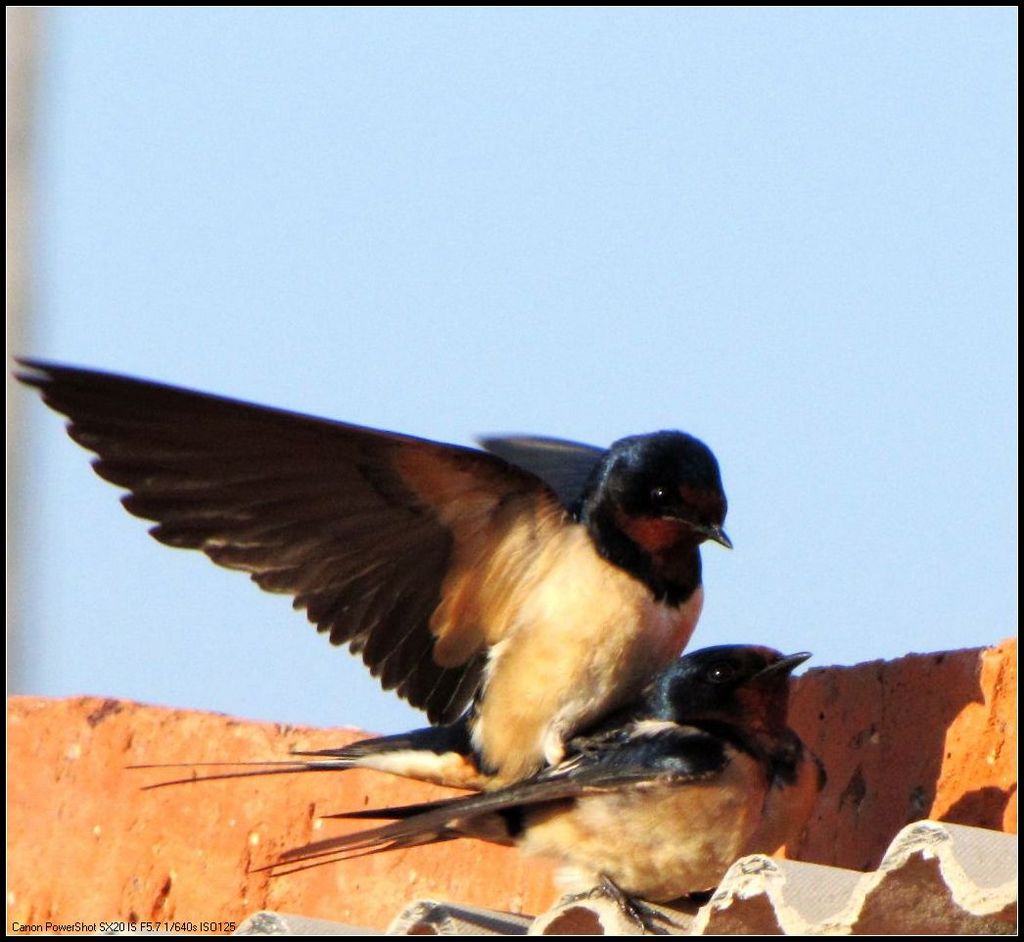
[
  {"x": 659, "y": 800},
  {"x": 541, "y": 583}
]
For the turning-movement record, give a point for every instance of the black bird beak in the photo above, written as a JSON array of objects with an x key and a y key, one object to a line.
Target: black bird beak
[
  {"x": 712, "y": 532},
  {"x": 719, "y": 536},
  {"x": 786, "y": 664}
]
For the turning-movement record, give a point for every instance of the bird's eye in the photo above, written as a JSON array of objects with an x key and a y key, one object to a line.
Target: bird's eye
[
  {"x": 660, "y": 496},
  {"x": 721, "y": 673}
]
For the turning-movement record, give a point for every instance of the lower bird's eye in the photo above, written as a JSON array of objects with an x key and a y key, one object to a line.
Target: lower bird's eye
[{"x": 721, "y": 673}]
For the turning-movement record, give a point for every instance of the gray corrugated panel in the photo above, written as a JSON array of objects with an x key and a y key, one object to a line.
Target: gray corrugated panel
[
  {"x": 764, "y": 895},
  {"x": 968, "y": 854},
  {"x": 942, "y": 878},
  {"x": 935, "y": 878},
  {"x": 431, "y": 917},
  {"x": 268, "y": 923},
  {"x": 600, "y": 915}
]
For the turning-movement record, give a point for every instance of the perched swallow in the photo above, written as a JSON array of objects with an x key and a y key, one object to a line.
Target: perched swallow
[
  {"x": 541, "y": 581},
  {"x": 660, "y": 801}
]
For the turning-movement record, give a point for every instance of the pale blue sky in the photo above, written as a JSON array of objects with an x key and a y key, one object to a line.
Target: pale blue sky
[{"x": 789, "y": 232}]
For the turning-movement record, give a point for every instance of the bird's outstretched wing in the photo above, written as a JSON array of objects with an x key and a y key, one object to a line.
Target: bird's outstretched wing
[
  {"x": 659, "y": 755},
  {"x": 395, "y": 545}
]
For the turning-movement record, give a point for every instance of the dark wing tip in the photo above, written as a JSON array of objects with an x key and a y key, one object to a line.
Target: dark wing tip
[
  {"x": 33, "y": 372},
  {"x": 62, "y": 386},
  {"x": 43, "y": 370}
]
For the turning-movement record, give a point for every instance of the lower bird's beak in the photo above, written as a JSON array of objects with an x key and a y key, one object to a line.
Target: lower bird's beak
[{"x": 786, "y": 664}]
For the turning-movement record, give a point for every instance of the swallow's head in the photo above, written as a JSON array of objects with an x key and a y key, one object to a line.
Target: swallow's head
[
  {"x": 661, "y": 490},
  {"x": 742, "y": 684}
]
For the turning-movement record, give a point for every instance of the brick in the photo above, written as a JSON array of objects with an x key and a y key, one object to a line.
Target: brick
[
  {"x": 925, "y": 736},
  {"x": 86, "y": 843}
]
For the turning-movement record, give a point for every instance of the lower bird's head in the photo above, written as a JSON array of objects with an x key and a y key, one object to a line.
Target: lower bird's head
[{"x": 739, "y": 684}]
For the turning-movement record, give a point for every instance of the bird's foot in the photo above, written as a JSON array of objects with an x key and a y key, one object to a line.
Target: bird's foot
[{"x": 638, "y": 916}]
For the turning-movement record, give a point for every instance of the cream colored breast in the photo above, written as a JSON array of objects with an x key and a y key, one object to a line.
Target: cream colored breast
[
  {"x": 656, "y": 842},
  {"x": 787, "y": 808},
  {"x": 587, "y": 636}
]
